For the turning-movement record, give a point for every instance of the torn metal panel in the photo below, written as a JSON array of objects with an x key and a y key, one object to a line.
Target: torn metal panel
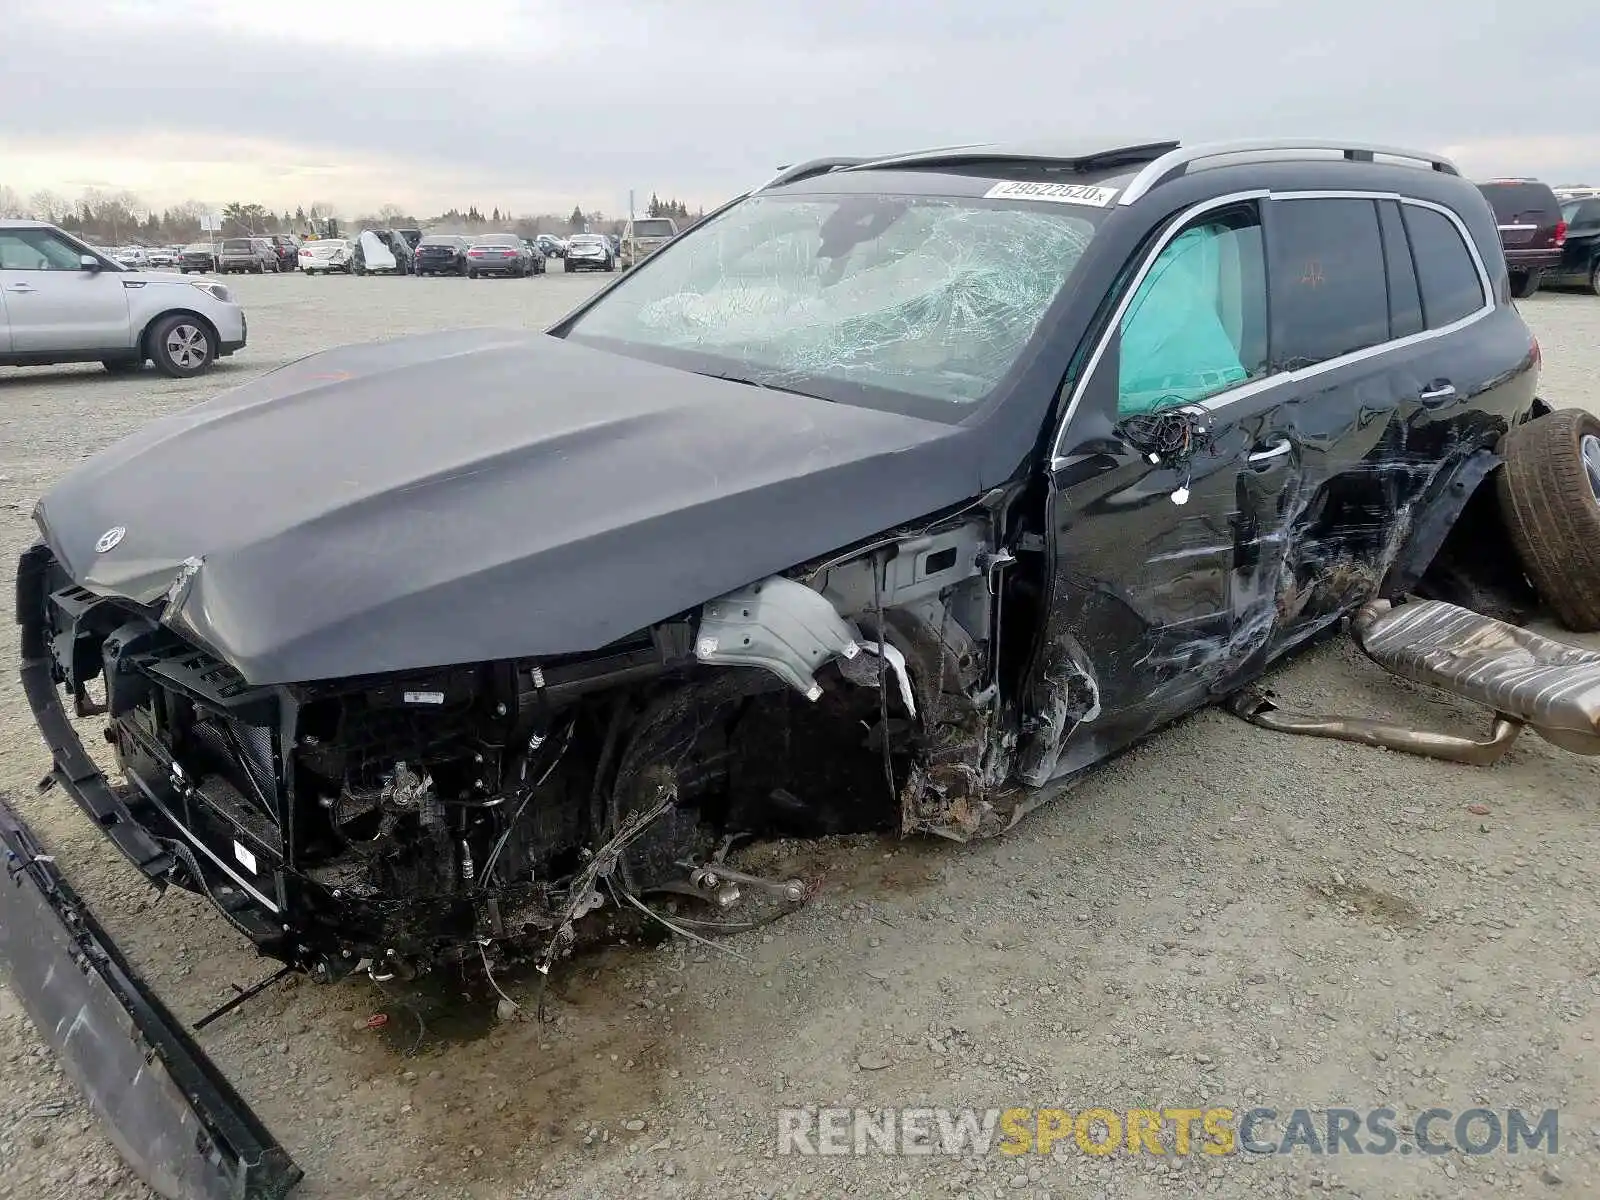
[
  {"x": 778, "y": 625},
  {"x": 865, "y": 671},
  {"x": 1068, "y": 696},
  {"x": 1446, "y": 499}
]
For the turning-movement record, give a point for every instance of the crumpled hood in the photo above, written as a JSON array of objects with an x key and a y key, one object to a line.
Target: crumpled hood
[{"x": 478, "y": 495}]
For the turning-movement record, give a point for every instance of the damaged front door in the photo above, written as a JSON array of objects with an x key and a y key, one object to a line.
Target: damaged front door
[{"x": 1165, "y": 486}]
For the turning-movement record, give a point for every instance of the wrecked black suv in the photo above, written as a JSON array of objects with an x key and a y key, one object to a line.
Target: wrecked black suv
[{"x": 895, "y": 494}]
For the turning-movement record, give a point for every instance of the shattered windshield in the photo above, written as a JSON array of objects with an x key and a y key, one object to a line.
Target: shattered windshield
[{"x": 931, "y": 297}]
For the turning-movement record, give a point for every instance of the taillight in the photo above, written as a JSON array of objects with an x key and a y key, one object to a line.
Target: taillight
[
  {"x": 1561, "y": 233},
  {"x": 474, "y": 253}
]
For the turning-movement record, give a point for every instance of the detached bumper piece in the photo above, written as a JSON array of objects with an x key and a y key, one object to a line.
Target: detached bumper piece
[
  {"x": 170, "y": 1112},
  {"x": 1525, "y": 679}
]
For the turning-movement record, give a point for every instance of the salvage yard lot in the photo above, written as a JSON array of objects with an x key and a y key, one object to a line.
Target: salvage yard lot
[{"x": 1222, "y": 917}]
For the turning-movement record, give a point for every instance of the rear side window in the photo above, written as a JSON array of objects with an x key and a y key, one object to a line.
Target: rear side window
[
  {"x": 1405, "y": 298},
  {"x": 1451, "y": 288},
  {"x": 1329, "y": 292}
]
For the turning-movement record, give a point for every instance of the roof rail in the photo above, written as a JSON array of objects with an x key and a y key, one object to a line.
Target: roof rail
[
  {"x": 1177, "y": 162},
  {"x": 1085, "y": 156},
  {"x": 814, "y": 166}
]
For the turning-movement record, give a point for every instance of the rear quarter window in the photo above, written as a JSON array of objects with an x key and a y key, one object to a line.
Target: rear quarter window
[
  {"x": 1405, "y": 295},
  {"x": 1451, "y": 288}
]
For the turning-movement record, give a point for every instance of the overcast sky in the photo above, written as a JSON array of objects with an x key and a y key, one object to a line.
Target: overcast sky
[{"x": 540, "y": 104}]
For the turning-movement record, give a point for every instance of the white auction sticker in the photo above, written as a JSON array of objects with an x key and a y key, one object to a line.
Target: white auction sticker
[
  {"x": 246, "y": 859},
  {"x": 1056, "y": 193},
  {"x": 424, "y": 697}
]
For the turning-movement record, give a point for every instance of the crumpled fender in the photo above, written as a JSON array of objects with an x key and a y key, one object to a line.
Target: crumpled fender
[{"x": 1436, "y": 513}]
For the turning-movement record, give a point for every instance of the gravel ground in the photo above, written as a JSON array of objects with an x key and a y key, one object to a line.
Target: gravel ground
[{"x": 1221, "y": 917}]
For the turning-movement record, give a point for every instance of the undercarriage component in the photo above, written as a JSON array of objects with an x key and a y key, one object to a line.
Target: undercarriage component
[
  {"x": 1548, "y": 685},
  {"x": 1258, "y": 710},
  {"x": 584, "y": 896},
  {"x": 1524, "y": 678},
  {"x": 713, "y": 878}
]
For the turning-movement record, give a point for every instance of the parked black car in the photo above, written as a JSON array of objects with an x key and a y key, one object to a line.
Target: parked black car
[
  {"x": 552, "y": 246},
  {"x": 247, "y": 255},
  {"x": 785, "y": 540},
  {"x": 1580, "y": 256},
  {"x": 442, "y": 254},
  {"x": 199, "y": 256},
  {"x": 287, "y": 247},
  {"x": 1532, "y": 229},
  {"x": 413, "y": 237},
  {"x": 537, "y": 255}
]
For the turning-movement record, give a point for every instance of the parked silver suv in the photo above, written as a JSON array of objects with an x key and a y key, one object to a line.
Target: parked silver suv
[
  {"x": 253, "y": 254},
  {"x": 61, "y": 301}
]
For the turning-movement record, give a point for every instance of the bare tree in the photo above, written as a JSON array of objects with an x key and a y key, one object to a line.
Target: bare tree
[
  {"x": 116, "y": 212},
  {"x": 10, "y": 203},
  {"x": 50, "y": 206}
]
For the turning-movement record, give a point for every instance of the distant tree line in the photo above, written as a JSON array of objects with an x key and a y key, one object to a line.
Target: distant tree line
[
  {"x": 119, "y": 217},
  {"x": 676, "y": 209}
]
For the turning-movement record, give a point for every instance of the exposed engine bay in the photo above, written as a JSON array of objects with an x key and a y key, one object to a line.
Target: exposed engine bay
[{"x": 391, "y": 824}]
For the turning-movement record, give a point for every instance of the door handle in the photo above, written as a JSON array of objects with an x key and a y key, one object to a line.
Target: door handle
[
  {"x": 21, "y": 287},
  {"x": 1440, "y": 391},
  {"x": 1273, "y": 450}
]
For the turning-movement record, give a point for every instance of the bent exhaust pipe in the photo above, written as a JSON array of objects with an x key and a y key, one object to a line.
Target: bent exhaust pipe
[{"x": 1258, "y": 710}]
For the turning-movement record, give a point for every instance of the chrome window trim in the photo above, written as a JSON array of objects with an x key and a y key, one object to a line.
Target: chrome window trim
[{"x": 1256, "y": 386}]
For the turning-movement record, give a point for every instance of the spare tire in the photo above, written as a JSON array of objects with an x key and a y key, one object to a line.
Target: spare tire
[{"x": 1550, "y": 498}]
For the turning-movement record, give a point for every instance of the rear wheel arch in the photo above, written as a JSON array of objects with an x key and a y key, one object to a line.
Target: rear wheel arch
[{"x": 1458, "y": 547}]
